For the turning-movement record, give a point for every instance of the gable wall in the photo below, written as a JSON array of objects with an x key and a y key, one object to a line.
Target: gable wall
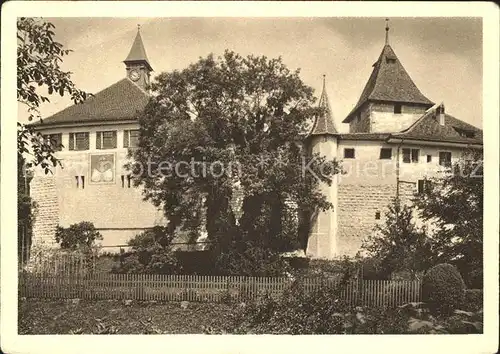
[
  {"x": 119, "y": 213},
  {"x": 384, "y": 120},
  {"x": 361, "y": 123}
]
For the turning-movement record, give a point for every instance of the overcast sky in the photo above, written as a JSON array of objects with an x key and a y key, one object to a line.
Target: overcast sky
[{"x": 442, "y": 55}]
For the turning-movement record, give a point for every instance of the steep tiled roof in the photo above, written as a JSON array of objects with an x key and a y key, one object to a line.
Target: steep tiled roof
[
  {"x": 137, "y": 52},
  {"x": 324, "y": 122},
  {"x": 120, "y": 101},
  {"x": 428, "y": 128},
  {"x": 389, "y": 81}
]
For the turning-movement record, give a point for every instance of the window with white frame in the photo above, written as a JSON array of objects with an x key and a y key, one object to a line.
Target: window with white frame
[
  {"x": 445, "y": 158},
  {"x": 131, "y": 138},
  {"x": 410, "y": 155},
  {"x": 79, "y": 141},
  {"x": 54, "y": 140},
  {"x": 106, "y": 140}
]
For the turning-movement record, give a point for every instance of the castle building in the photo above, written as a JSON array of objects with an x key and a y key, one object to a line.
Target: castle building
[{"x": 397, "y": 139}]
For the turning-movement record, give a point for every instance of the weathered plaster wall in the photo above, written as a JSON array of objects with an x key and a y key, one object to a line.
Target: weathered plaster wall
[{"x": 384, "y": 120}]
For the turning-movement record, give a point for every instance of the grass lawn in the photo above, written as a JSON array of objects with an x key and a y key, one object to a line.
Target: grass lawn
[{"x": 37, "y": 316}]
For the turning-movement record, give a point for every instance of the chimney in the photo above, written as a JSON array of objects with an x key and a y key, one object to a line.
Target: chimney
[{"x": 441, "y": 114}]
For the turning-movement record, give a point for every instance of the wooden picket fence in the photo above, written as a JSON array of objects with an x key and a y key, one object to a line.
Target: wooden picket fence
[
  {"x": 60, "y": 264},
  {"x": 100, "y": 286}
]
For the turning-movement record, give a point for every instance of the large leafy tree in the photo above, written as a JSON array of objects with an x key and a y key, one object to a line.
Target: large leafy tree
[
  {"x": 453, "y": 203},
  {"x": 451, "y": 208},
  {"x": 398, "y": 244},
  {"x": 39, "y": 58},
  {"x": 226, "y": 124},
  {"x": 38, "y": 71}
]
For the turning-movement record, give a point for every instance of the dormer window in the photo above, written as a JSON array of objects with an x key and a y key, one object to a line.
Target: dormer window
[
  {"x": 397, "y": 108},
  {"x": 464, "y": 133}
]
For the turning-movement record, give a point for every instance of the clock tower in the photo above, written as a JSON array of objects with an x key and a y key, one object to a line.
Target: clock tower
[{"x": 137, "y": 63}]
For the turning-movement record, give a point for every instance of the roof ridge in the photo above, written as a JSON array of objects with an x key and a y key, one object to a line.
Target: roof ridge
[
  {"x": 118, "y": 101},
  {"x": 139, "y": 87},
  {"x": 419, "y": 120}
]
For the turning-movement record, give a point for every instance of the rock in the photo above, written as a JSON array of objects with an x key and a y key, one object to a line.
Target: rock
[
  {"x": 75, "y": 301},
  {"x": 184, "y": 304},
  {"x": 127, "y": 302},
  {"x": 23, "y": 298}
]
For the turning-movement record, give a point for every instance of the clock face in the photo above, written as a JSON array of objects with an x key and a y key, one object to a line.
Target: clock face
[{"x": 134, "y": 75}]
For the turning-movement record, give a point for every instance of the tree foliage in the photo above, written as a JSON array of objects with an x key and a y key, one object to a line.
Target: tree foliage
[
  {"x": 451, "y": 208},
  {"x": 39, "y": 58},
  {"x": 77, "y": 236},
  {"x": 443, "y": 288},
  {"x": 398, "y": 244},
  {"x": 38, "y": 68},
  {"x": 454, "y": 205},
  {"x": 226, "y": 124},
  {"x": 151, "y": 253}
]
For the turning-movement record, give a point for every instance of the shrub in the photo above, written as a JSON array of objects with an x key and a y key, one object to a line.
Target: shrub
[
  {"x": 77, "y": 236},
  {"x": 294, "y": 312},
  {"x": 251, "y": 260},
  {"x": 151, "y": 253},
  {"x": 443, "y": 288},
  {"x": 473, "y": 300}
]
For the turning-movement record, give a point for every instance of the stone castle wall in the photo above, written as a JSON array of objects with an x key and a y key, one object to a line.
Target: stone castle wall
[
  {"x": 43, "y": 191},
  {"x": 117, "y": 211},
  {"x": 358, "y": 205}
]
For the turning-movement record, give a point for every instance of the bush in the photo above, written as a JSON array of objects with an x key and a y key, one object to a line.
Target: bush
[
  {"x": 251, "y": 260},
  {"x": 77, "y": 236},
  {"x": 151, "y": 253},
  {"x": 443, "y": 288},
  {"x": 473, "y": 300},
  {"x": 294, "y": 312}
]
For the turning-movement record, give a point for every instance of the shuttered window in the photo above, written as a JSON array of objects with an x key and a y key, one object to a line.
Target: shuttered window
[
  {"x": 106, "y": 140},
  {"x": 131, "y": 138},
  {"x": 55, "y": 141},
  {"x": 79, "y": 141}
]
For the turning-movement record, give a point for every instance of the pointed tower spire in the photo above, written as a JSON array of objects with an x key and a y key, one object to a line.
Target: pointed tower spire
[
  {"x": 324, "y": 122},
  {"x": 389, "y": 82},
  {"x": 386, "y": 31},
  {"x": 137, "y": 52},
  {"x": 137, "y": 63}
]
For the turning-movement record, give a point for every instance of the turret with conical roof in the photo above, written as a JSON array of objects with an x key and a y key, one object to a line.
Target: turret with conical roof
[
  {"x": 323, "y": 140},
  {"x": 137, "y": 63},
  {"x": 389, "y": 90},
  {"x": 324, "y": 122}
]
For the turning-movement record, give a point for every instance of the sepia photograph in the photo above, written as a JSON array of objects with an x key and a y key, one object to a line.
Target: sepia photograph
[{"x": 263, "y": 175}]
